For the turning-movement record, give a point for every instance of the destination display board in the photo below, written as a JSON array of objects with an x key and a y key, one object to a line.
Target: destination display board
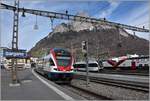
[{"x": 9, "y": 53}]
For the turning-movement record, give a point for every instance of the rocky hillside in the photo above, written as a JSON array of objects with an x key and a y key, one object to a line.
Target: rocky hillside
[{"x": 103, "y": 40}]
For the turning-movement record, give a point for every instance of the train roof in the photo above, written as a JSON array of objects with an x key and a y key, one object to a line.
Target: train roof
[{"x": 59, "y": 49}]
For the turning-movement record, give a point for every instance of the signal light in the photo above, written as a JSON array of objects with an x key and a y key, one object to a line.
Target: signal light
[{"x": 84, "y": 46}]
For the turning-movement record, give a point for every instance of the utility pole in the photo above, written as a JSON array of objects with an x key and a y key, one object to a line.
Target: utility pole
[
  {"x": 85, "y": 51},
  {"x": 97, "y": 49},
  {"x": 73, "y": 52},
  {"x": 134, "y": 35},
  {"x": 15, "y": 42}
]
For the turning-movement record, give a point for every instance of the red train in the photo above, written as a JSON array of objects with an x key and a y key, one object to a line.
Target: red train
[
  {"x": 124, "y": 62},
  {"x": 57, "y": 65}
]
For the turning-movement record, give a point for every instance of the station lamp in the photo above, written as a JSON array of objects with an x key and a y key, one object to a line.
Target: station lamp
[
  {"x": 36, "y": 25},
  {"x": 23, "y": 13}
]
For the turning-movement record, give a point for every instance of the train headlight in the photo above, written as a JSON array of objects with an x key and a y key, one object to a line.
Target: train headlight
[
  {"x": 72, "y": 69},
  {"x": 55, "y": 69}
]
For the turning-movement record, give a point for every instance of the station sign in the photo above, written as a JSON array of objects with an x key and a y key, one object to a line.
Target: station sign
[{"x": 9, "y": 53}]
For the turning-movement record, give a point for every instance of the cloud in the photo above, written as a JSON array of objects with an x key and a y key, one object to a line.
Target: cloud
[
  {"x": 143, "y": 21},
  {"x": 112, "y": 7},
  {"x": 26, "y": 31},
  {"x": 139, "y": 17}
]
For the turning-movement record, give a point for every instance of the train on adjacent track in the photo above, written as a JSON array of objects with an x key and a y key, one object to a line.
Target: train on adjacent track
[
  {"x": 57, "y": 65},
  {"x": 93, "y": 66},
  {"x": 124, "y": 62}
]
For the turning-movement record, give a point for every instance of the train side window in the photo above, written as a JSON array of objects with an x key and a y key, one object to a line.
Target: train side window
[
  {"x": 146, "y": 65},
  {"x": 140, "y": 65},
  {"x": 51, "y": 62}
]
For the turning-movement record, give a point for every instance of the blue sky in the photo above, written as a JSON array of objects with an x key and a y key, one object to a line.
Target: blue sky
[{"x": 134, "y": 13}]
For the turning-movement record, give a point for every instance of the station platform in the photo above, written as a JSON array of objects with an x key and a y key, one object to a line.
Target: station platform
[{"x": 33, "y": 87}]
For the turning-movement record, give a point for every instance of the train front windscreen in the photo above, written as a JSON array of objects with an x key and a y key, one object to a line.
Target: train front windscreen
[
  {"x": 63, "y": 57},
  {"x": 63, "y": 61}
]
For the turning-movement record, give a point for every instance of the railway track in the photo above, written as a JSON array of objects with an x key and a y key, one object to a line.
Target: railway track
[
  {"x": 126, "y": 73},
  {"x": 88, "y": 95},
  {"x": 81, "y": 92},
  {"x": 119, "y": 83}
]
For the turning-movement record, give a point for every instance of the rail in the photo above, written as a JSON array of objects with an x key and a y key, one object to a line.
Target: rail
[{"x": 119, "y": 83}]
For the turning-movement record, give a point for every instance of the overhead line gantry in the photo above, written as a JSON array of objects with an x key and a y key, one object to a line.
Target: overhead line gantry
[{"x": 73, "y": 18}]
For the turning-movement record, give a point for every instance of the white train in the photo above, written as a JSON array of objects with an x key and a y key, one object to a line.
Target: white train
[
  {"x": 93, "y": 66},
  {"x": 125, "y": 62}
]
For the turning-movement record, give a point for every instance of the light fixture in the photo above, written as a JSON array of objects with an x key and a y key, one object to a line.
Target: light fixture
[
  {"x": 52, "y": 22},
  {"x": 36, "y": 25},
  {"x": 23, "y": 13}
]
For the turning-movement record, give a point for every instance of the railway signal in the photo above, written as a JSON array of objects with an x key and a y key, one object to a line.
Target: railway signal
[
  {"x": 85, "y": 52},
  {"x": 84, "y": 46}
]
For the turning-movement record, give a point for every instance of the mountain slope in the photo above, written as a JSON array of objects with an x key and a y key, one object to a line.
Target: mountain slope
[
  {"x": 112, "y": 42},
  {"x": 103, "y": 40}
]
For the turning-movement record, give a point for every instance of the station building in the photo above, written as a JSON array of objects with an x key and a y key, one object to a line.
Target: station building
[{"x": 6, "y": 55}]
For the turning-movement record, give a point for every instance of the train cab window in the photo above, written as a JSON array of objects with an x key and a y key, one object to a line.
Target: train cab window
[
  {"x": 146, "y": 65},
  {"x": 51, "y": 62},
  {"x": 140, "y": 65},
  {"x": 93, "y": 65},
  {"x": 63, "y": 62},
  {"x": 80, "y": 65}
]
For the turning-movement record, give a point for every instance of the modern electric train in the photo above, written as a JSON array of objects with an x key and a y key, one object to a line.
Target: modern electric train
[
  {"x": 57, "y": 65},
  {"x": 93, "y": 66},
  {"x": 124, "y": 62}
]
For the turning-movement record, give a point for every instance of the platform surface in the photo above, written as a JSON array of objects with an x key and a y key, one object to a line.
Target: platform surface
[{"x": 31, "y": 88}]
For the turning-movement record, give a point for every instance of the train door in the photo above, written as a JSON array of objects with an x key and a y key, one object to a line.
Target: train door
[
  {"x": 51, "y": 64},
  {"x": 46, "y": 68},
  {"x": 133, "y": 65}
]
